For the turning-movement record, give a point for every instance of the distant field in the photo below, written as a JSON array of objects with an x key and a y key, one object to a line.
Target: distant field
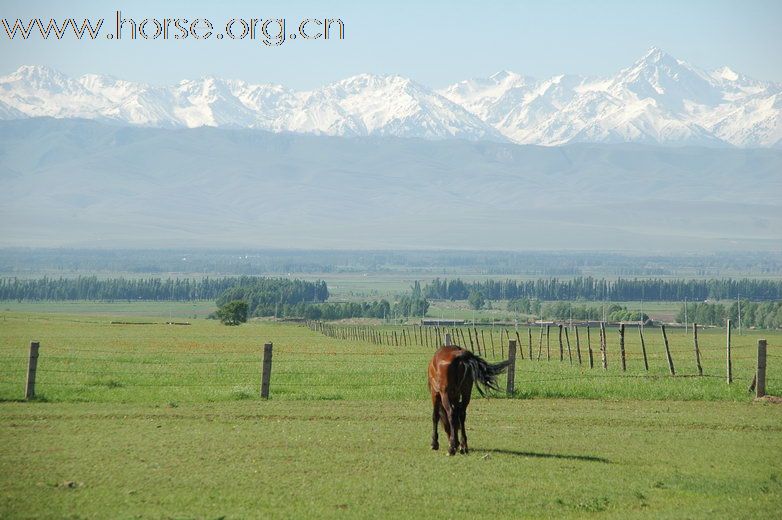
[
  {"x": 179, "y": 310},
  {"x": 460, "y": 309}
]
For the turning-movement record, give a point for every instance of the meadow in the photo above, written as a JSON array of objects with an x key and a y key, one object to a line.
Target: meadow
[{"x": 164, "y": 421}]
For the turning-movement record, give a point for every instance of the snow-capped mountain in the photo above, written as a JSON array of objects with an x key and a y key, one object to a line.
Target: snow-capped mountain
[
  {"x": 658, "y": 99},
  {"x": 361, "y": 105}
]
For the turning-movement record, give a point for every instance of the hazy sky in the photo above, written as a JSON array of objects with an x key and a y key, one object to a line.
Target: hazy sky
[{"x": 435, "y": 44}]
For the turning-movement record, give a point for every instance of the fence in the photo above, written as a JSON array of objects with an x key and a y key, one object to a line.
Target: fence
[
  {"x": 391, "y": 372},
  {"x": 427, "y": 336}
]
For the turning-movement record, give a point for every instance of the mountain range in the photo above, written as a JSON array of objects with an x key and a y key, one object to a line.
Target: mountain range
[{"x": 657, "y": 100}]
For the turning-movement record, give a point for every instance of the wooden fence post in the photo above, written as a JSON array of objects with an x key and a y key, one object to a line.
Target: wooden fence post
[
  {"x": 561, "y": 352},
  {"x": 540, "y": 343},
  {"x": 578, "y": 345},
  {"x": 697, "y": 350},
  {"x": 589, "y": 348},
  {"x": 760, "y": 387},
  {"x": 511, "y": 367},
  {"x": 567, "y": 341},
  {"x": 32, "y": 367},
  {"x": 643, "y": 346},
  {"x": 529, "y": 335},
  {"x": 518, "y": 345},
  {"x": 668, "y": 351},
  {"x": 447, "y": 340},
  {"x": 548, "y": 342},
  {"x": 267, "y": 370},
  {"x": 603, "y": 346},
  {"x": 622, "y": 346},
  {"x": 727, "y": 355}
]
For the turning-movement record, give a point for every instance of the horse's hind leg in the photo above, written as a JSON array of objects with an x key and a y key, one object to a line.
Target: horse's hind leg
[
  {"x": 452, "y": 411},
  {"x": 436, "y": 408},
  {"x": 466, "y": 391},
  {"x": 463, "y": 419},
  {"x": 445, "y": 421}
]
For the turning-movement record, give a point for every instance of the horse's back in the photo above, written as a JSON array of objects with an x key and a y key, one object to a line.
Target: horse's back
[{"x": 441, "y": 366}]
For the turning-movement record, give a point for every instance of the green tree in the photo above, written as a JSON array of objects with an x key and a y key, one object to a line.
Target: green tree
[
  {"x": 233, "y": 312},
  {"x": 476, "y": 300}
]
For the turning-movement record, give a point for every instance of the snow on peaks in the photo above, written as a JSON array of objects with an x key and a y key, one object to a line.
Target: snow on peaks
[
  {"x": 657, "y": 99},
  {"x": 38, "y": 77},
  {"x": 655, "y": 55},
  {"x": 726, "y": 73}
]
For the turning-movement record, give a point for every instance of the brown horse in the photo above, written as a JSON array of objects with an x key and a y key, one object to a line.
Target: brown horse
[{"x": 452, "y": 372}]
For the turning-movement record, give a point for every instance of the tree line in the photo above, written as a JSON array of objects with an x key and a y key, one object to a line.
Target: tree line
[
  {"x": 601, "y": 289},
  {"x": 567, "y": 310},
  {"x": 156, "y": 289},
  {"x": 763, "y": 315},
  {"x": 381, "y": 309},
  {"x": 284, "y": 298}
]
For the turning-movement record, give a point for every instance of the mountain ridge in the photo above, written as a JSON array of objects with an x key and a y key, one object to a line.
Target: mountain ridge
[{"x": 658, "y": 99}]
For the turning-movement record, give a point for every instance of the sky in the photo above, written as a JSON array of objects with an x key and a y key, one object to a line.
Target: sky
[{"x": 436, "y": 44}]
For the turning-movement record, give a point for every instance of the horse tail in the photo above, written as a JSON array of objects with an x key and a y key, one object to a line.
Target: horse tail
[{"x": 483, "y": 373}]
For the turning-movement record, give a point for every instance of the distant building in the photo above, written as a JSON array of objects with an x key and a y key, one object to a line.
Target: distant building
[{"x": 436, "y": 322}]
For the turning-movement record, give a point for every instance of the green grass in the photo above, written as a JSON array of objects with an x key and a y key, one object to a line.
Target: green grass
[
  {"x": 368, "y": 459},
  {"x": 162, "y": 421}
]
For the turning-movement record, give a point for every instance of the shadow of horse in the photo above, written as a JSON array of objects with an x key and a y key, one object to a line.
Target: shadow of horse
[{"x": 516, "y": 453}]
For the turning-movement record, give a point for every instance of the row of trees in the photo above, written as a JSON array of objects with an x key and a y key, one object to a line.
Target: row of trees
[
  {"x": 180, "y": 289},
  {"x": 334, "y": 311},
  {"x": 567, "y": 310},
  {"x": 765, "y": 315},
  {"x": 525, "y": 306},
  {"x": 285, "y": 298},
  {"x": 272, "y": 296},
  {"x": 597, "y": 289}
]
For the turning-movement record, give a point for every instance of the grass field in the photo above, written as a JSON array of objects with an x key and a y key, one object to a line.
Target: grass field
[
  {"x": 162, "y": 421},
  {"x": 87, "y": 358},
  {"x": 531, "y": 458},
  {"x": 120, "y": 309}
]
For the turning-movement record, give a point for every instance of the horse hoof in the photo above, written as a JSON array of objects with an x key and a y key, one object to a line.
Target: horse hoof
[
  {"x": 451, "y": 452},
  {"x": 435, "y": 447}
]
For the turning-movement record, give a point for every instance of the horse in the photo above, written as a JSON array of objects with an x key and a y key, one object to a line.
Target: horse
[{"x": 452, "y": 372}]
